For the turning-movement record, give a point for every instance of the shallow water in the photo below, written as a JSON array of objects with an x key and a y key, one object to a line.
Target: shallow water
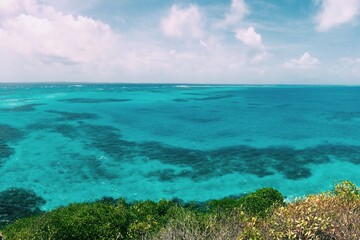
[{"x": 75, "y": 143}]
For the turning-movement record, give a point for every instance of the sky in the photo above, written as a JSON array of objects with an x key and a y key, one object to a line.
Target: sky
[{"x": 181, "y": 41}]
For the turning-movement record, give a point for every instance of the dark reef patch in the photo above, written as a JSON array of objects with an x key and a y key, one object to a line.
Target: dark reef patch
[
  {"x": 168, "y": 175},
  {"x": 109, "y": 140},
  {"x": 292, "y": 163},
  {"x": 8, "y": 134},
  {"x": 93, "y": 100},
  {"x": 5, "y": 150},
  {"x": 189, "y": 163},
  {"x": 344, "y": 116},
  {"x": 181, "y": 99},
  {"x": 23, "y": 108},
  {"x": 66, "y": 130},
  {"x": 38, "y": 126},
  {"x": 18, "y": 203},
  {"x": 173, "y": 155},
  {"x": 71, "y": 116}
]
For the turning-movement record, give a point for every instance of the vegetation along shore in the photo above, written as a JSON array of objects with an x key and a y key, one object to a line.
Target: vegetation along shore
[{"x": 262, "y": 214}]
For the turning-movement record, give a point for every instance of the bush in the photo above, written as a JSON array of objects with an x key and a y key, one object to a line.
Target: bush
[
  {"x": 223, "y": 205},
  {"x": 98, "y": 220},
  {"x": 259, "y": 215},
  {"x": 188, "y": 224},
  {"x": 147, "y": 218},
  {"x": 327, "y": 216},
  {"x": 255, "y": 204},
  {"x": 259, "y": 202},
  {"x": 346, "y": 190}
]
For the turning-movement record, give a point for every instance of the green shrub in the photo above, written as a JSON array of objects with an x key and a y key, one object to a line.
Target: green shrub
[
  {"x": 98, "y": 220},
  {"x": 259, "y": 202},
  {"x": 147, "y": 218},
  {"x": 223, "y": 205},
  {"x": 259, "y": 215}
]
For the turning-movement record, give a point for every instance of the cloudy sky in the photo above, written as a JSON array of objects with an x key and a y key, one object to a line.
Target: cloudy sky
[{"x": 181, "y": 41}]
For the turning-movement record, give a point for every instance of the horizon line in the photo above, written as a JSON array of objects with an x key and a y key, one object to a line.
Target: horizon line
[{"x": 179, "y": 84}]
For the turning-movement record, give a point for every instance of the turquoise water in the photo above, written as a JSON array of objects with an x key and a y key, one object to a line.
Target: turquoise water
[{"x": 75, "y": 143}]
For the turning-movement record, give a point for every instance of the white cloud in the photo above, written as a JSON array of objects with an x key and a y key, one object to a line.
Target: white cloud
[
  {"x": 183, "y": 22},
  {"x": 38, "y": 42},
  {"x": 336, "y": 12},
  {"x": 50, "y": 36},
  {"x": 305, "y": 61},
  {"x": 10, "y": 8},
  {"x": 48, "y": 45},
  {"x": 238, "y": 11},
  {"x": 249, "y": 37},
  {"x": 253, "y": 40}
]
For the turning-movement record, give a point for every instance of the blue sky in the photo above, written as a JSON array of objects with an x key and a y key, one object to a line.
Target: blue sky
[{"x": 182, "y": 41}]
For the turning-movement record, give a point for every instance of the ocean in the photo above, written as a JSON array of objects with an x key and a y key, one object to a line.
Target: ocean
[{"x": 82, "y": 142}]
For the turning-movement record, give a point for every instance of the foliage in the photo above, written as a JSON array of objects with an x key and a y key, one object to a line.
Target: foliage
[
  {"x": 327, "y": 216},
  {"x": 223, "y": 205},
  {"x": 190, "y": 224},
  {"x": 259, "y": 215},
  {"x": 259, "y": 202},
  {"x": 99, "y": 220},
  {"x": 346, "y": 190},
  {"x": 256, "y": 203},
  {"x": 147, "y": 217}
]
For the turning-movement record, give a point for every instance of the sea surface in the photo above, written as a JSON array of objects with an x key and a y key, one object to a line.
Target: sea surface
[{"x": 76, "y": 143}]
